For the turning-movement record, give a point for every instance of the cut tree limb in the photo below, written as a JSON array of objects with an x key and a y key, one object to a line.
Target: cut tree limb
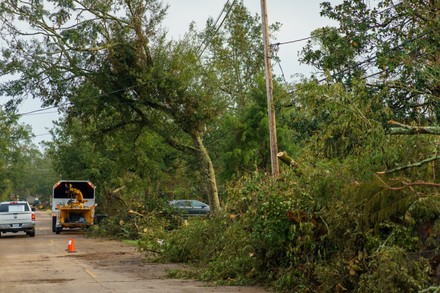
[{"x": 286, "y": 159}]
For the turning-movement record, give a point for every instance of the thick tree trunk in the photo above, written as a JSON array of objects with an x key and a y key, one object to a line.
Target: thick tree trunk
[{"x": 214, "y": 201}]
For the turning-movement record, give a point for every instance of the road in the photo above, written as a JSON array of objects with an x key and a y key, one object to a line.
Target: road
[{"x": 44, "y": 264}]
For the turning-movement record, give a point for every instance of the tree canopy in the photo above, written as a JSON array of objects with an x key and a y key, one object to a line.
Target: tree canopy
[{"x": 111, "y": 70}]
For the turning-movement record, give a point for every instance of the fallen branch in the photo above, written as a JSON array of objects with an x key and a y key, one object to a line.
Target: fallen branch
[
  {"x": 113, "y": 195},
  {"x": 418, "y": 164},
  {"x": 408, "y": 129},
  {"x": 416, "y": 183},
  {"x": 136, "y": 213}
]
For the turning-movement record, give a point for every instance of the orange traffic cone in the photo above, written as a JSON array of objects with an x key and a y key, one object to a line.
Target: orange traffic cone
[{"x": 71, "y": 245}]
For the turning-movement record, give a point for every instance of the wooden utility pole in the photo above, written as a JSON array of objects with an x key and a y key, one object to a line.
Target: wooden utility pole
[{"x": 269, "y": 90}]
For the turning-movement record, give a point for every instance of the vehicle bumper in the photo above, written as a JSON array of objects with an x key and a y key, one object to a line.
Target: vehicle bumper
[{"x": 17, "y": 227}]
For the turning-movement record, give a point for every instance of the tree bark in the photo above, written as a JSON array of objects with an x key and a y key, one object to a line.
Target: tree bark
[{"x": 213, "y": 198}]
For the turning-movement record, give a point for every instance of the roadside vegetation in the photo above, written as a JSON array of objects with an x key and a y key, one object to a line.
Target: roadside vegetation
[{"x": 148, "y": 120}]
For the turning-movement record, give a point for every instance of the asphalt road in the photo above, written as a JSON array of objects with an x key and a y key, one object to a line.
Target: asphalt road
[{"x": 44, "y": 264}]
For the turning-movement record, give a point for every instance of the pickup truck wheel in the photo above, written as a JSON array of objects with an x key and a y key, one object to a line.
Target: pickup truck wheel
[
  {"x": 32, "y": 233},
  {"x": 54, "y": 224},
  {"x": 58, "y": 230}
]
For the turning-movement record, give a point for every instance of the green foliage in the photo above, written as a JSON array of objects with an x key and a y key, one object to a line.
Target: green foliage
[
  {"x": 382, "y": 201},
  {"x": 390, "y": 270},
  {"x": 197, "y": 240},
  {"x": 118, "y": 76},
  {"x": 139, "y": 218},
  {"x": 241, "y": 142},
  {"x": 24, "y": 170},
  {"x": 369, "y": 38},
  {"x": 308, "y": 233},
  {"x": 345, "y": 123},
  {"x": 141, "y": 110},
  {"x": 236, "y": 262}
]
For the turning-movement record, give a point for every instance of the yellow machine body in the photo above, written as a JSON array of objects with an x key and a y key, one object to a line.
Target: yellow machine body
[{"x": 75, "y": 217}]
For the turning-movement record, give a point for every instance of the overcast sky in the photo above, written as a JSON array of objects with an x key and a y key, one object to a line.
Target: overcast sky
[{"x": 298, "y": 19}]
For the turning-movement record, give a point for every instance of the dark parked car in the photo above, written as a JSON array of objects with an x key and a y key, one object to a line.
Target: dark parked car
[{"x": 191, "y": 207}]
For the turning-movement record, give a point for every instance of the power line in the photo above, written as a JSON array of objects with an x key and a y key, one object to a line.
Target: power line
[
  {"x": 34, "y": 112},
  {"x": 319, "y": 81},
  {"x": 43, "y": 134},
  {"x": 37, "y": 112},
  {"x": 218, "y": 28},
  {"x": 295, "y": 41},
  {"x": 215, "y": 24}
]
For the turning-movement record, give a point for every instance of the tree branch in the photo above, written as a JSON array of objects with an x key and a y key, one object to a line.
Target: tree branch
[
  {"x": 418, "y": 164},
  {"x": 416, "y": 183},
  {"x": 408, "y": 129}
]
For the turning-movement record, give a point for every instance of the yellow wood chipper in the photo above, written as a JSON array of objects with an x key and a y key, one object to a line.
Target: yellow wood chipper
[{"x": 73, "y": 205}]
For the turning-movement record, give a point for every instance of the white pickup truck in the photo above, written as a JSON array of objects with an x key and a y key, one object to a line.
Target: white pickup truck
[{"x": 16, "y": 216}]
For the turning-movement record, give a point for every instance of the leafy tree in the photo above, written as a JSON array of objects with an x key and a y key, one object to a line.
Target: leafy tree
[
  {"x": 20, "y": 160},
  {"x": 235, "y": 53},
  {"x": 239, "y": 141},
  {"x": 394, "y": 48},
  {"x": 115, "y": 57},
  {"x": 126, "y": 158},
  {"x": 392, "y": 45},
  {"x": 386, "y": 57}
]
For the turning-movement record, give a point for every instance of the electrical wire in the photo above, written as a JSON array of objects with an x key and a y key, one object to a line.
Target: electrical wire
[
  {"x": 308, "y": 38},
  {"x": 38, "y": 112},
  {"x": 295, "y": 41},
  {"x": 218, "y": 28},
  {"x": 215, "y": 24}
]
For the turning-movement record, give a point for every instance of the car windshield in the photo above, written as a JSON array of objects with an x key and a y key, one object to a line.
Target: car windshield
[
  {"x": 198, "y": 204},
  {"x": 183, "y": 203}
]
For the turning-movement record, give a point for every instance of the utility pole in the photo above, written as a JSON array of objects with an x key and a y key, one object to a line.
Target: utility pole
[{"x": 269, "y": 90}]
